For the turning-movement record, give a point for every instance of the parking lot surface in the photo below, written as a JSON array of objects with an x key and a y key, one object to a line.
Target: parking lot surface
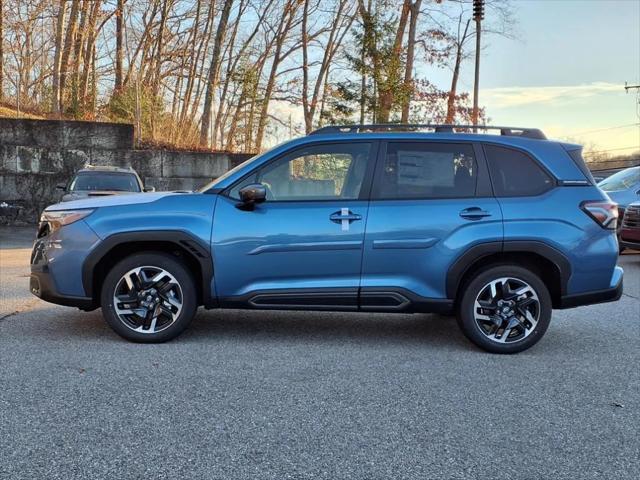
[{"x": 302, "y": 395}]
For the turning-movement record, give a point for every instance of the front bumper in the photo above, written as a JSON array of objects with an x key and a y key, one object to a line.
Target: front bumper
[
  {"x": 42, "y": 285},
  {"x": 611, "y": 294},
  {"x": 56, "y": 265}
]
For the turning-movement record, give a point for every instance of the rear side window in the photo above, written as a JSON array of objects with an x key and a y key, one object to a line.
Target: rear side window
[
  {"x": 576, "y": 156},
  {"x": 514, "y": 173},
  {"x": 426, "y": 170}
]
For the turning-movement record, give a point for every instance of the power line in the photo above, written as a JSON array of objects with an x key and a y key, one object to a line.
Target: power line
[
  {"x": 608, "y": 128},
  {"x": 613, "y": 149}
]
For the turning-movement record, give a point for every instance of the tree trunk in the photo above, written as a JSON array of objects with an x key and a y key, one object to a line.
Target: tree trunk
[
  {"x": 89, "y": 53},
  {"x": 66, "y": 51},
  {"x": 213, "y": 72},
  {"x": 1, "y": 52},
  {"x": 283, "y": 31},
  {"x": 308, "y": 119},
  {"x": 451, "y": 100},
  {"x": 120, "y": 25},
  {"x": 386, "y": 95},
  {"x": 62, "y": 9},
  {"x": 408, "y": 69}
]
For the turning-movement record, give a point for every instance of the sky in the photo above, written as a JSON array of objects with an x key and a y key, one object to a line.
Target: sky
[{"x": 565, "y": 72}]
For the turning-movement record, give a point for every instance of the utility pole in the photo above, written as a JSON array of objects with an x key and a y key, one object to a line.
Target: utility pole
[
  {"x": 628, "y": 87},
  {"x": 478, "y": 16}
]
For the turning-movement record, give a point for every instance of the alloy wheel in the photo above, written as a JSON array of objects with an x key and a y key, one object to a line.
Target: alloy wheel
[
  {"x": 506, "y": 310},
  {"x": 148, "y": 299}
]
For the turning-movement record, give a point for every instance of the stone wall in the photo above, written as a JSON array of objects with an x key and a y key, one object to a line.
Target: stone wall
[{"x": 36, "y": 155}]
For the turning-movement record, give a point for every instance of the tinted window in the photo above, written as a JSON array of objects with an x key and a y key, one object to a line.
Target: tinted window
[
  {"x": 426, "y": 170},
  {"x": 621, "y": 181},
  {"x": 514, "y": 173},
  {"x": 319, "y": 172},
  {"x": 576, "y": 156},
  {"x": 124, "y": 182}
]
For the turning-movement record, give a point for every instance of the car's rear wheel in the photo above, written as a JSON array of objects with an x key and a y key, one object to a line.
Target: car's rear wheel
[
  {"x": 504, "y": 309},
  {"x": 148, "y": 297}
]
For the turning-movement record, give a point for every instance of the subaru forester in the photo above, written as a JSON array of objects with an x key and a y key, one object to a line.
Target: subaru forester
[{"x": 498, "y": 229}]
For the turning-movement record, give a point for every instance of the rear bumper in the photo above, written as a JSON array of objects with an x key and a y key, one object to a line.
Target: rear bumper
[{"x": 611, "y": 294}]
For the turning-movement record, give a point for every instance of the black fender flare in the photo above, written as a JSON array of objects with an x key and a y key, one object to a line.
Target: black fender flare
[
  {"x": 184, "y": 240},
  {"x": 462, "y": 264}
]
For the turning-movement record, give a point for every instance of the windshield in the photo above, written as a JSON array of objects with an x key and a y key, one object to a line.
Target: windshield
[
  {"x": 214, "y": 182},
  {"x": 621, "y": 181},
  {"x": 101, "y": 181}
]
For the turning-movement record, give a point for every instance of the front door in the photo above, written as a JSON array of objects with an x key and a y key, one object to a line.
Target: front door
[
  {"x": 430, "y": 202},
  {"x": 303, "y": 246}
]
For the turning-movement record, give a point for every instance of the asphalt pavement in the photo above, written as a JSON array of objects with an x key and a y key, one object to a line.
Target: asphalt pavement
[{"x": 303, "y": 395}]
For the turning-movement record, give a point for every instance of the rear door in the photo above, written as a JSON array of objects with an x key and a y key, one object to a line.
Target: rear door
[{"x": 430, "y": 202}]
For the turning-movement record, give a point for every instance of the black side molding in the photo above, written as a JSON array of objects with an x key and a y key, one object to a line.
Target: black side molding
[{"x": 372, "y": 299}]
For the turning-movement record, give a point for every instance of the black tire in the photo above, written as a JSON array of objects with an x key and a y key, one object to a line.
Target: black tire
[
  {"x": 475, "y": 330},
  {"x": 182, "y": 277}
]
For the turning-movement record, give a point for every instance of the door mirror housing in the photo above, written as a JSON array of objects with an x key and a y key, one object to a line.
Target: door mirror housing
[
  {"x": 252, "y": 195},
  {"x": 61, "y": 186},
  {"x": 149, "y": 189}
]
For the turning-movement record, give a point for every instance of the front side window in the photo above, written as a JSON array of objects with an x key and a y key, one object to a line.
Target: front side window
[
  {"x": 114, "y": 182},
  {"x": 426, "y": 170},
  {"x": 319, "y": 172},
  {"x": 514, "y": 173}
]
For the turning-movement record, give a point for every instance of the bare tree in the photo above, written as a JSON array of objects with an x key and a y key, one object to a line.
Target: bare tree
[
  {"x": 62, "y": 9},
  {"x": 213, "y": 72},
  {"x": 120, "y": 25},
  {"x": 414, "y": 9}
]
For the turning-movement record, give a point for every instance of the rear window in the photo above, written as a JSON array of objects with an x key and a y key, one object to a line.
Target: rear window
[
  {"x": 514, "y": 173},
  {"x": 115, "y": 182}
]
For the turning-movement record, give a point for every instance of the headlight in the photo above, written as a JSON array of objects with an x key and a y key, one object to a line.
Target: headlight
[{"x": 56, "y": 219}]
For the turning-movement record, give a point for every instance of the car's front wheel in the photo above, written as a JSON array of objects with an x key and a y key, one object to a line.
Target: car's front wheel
[
  {"x": 149, "y": 297},
  {"x": 505, "y": 309}
]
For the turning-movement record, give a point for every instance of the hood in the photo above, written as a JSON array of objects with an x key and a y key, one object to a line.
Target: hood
[
  {"x": 77, "y": 195},
  {"x": 112, "y": 200}
]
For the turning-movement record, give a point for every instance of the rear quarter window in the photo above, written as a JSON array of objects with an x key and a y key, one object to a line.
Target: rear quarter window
[{"x": 515, "y": 174}]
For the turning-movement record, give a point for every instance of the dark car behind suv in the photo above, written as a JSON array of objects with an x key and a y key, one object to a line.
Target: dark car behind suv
[{"x": 98, "y": 181}]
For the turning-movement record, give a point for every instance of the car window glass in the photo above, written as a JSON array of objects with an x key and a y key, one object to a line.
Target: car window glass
[
  {"x": 104, "y": 182},
  {"x": 320, "y": 172},
  {"x": 514, "y": 173},
  {"x": 426, "y": 170},
  {"x": 622, "y": 180}
]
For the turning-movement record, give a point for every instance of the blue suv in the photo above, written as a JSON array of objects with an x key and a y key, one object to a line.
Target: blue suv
[{"x": 498, "y": 229}]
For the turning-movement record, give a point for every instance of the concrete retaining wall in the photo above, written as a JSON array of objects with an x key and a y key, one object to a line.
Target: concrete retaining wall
[
  {"x": 36, "y": 155},
  {"x": 65, "y": 134}
]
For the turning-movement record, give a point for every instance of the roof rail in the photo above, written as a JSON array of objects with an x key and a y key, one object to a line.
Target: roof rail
[{"x": 437, "y": 128}]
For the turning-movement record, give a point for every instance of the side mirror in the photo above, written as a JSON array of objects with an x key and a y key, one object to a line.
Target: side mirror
[
  {"x": 61, "y": 186},
  {"x": 252, "y": 195},
  {"x": 149, "y": 189}
]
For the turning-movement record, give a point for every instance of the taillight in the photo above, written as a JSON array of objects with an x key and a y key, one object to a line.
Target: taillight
[{"x": 604, "y": 213}]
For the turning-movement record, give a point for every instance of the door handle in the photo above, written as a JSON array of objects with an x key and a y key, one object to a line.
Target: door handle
[
  {"x": 344, "y": 217},
  {"x": 338, "y": 217},
  {"x": 474, "y": 213}
]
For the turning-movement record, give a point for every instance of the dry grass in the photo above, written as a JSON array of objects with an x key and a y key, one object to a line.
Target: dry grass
[{"x": 10, "y": 112}]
